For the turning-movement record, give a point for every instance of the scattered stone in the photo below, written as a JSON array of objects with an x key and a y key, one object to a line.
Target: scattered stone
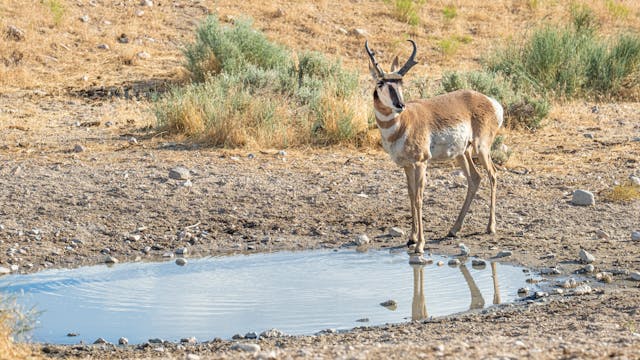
[
  {"x": 148, "y": 3},
  {"x": 139, "y": 13},
  {"x": 111, "y": 260},
  {"x": 540, "y": 294},
  {"x": 189, "y": 340},
  {"x": 146, "y": 250},
  {"x": 363, "y": 320},
  {"x": 179, "y": 173},
  {"x": 583, "y": 290},
  {"x": 583, "y": 198},
  {"x": 252, "y": 348},
  {"x": 193, "y": 357},
  {"x": 635, "y": 275},
  {"x": 605, "y": 277},
  {"x": 134, "y": 237},
  {"x": 187, "y": 184},
  {"x": 15, "y": 33},
  {"x": 182, "y": 251},
  {"x": 389, "y": 304},
  {"x": 601, "y": 234},
  {"x": 251, "y": 335},
  {"x": 237, "y": 337},
  {"x": 396, "y": 232},
  {"x": 103, "y": 47},
  {"x": 85, "y": 18},
  {"x": 167, "y": 255},
  {"x": 523, "y": 291},
  {"x": 635, "y": 180},
  {"x": 360, "y": 32},
  {"x": 79, "y": 148},
  {"x": 181, "y": 261},
  {"x": 504, "y": 253},
  {"x": 478, "y": 263},
  {"x": 144, "y": 55},
  {"x": 14, "y": 268},
  {"x": 123, "y": 39},
  {"x": 454, "y": 262},
  {"x": 282, "y": 153},
  {"x": 362, "y": 239},
  {"x": 72, "y": 334},
  {"x": 108, "y": 123},
  {"x": 570, "y": 283},
  {"x": 635, "y": 235},
  {"x": 464, "y": 249},
  {"x": 558, "y": 291},
  {"x": 123, "y": 341},
  {"x": 586, "y": 257},
  {"x": 588, "y": 135},
  {"x": 550, "y": 271},
  {"x": 440, "y": 263},
  {"x": 100, "y": 341},
  {"x": 133, "y": 140},
  {"x": 589, "y": 268},
  {"x": 156, "y": 341},
  {"x": 271, "y": 333}
]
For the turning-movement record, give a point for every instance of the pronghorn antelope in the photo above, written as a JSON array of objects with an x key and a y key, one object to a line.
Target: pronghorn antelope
[{"x": 450, "y": 126}]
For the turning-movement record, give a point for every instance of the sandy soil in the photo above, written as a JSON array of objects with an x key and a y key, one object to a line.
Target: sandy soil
[{"x": 62, "y": 208}]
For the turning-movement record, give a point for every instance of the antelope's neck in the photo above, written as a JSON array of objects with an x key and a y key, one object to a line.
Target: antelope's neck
[{"x": 388, "y": 121}]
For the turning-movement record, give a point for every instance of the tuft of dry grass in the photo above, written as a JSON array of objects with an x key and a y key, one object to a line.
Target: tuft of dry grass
[
  {"x": 623, "y": 193},
  {"x": 9, "y": 349}
]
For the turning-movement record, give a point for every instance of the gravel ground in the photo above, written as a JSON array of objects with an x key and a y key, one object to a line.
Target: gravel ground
[{"x": 64, "y": 205}]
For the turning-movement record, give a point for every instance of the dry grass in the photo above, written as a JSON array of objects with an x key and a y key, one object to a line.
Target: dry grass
[
  {"x": 9, "y": 350},
  {"x": 623, "y": 193}
]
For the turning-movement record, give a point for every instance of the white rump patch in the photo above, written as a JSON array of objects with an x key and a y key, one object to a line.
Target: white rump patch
[
  {"x": 450, "y": 143},
  {"x": 498, "y": 110}
]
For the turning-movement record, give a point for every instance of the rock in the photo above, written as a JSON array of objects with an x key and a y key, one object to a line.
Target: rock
[
  {"x": 103, "y": 47},
  {"x": 14, "y": 268},
  {"x": 139, "y": 13},
  {"x": 363, "y": 320},
  {"x": 588, "y": 135},
  {"x": 389, "y": 304},
  {"x": 247, "y": 347},
  {"x": 523, "y": 291},
  {"x": 550, "y": 271},
  {"x": 635, "y": 180},
  {"x": 251, "y": 335},
  {"x": 360, "y": 32},
  {"x": 85, "y": 18},
  {"x": 601, "y": 234},
  {"x": 123, "y": 341},
  {"x": 454, "y": 262},
  {"x": 540, "y": 294},
  {"x": 582, "y": 290},
  {"x": 134, "y": 237},
  {"x": 271, "y": 333},
  {"x": 362, "y": 239},
  {"x": 72, "y": 334},
  {"x": 15, "y": 33},
  {"x": 189, "y": 340},
  {"x": 478, "y": 263},
  {"x": 182, "y": 251},
  {"x": 79, "y": 148},
  {"x": 570, "y": 283},
  {"x": 148, "y": 3},
  {"x": 558, "y": 291},
  {"x": 583, "y": 198},
  {"x": 635, "y": 275},
  {"x": 605, "y": 277},
  {"x": 440, "y": 263},
  {"x": 193, "y": 357},
  {"x": 396, "y": 232},
  {"x": 100, "y": 341},
  {"x": 133, "y": 140},
  {"x": 168, "y": 255},
  {"x": 111, "y": 260},
  {"x": 123, "y": 39},
  {"x": 464, "y": 249},
  {"x": 181, "y": 261},
  {"x": 179, "y": 173},
  {"x": 143, "y": 55},
  {"x": 589, "y": 268},
  {"x": 156, "y": 341},
  {"x": 586, "y": 257},
  {"x": 4, "y": 270},
  {"x": 504, "y": 253},
  {"x": 635, "y": 235}
]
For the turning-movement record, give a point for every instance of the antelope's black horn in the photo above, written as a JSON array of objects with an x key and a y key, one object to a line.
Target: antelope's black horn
[
  {"x": 373, "y": 59},
  {"x": 411, "y": 62}
]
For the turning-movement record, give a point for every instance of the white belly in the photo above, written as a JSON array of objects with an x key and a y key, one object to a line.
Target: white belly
[{"x": 450, "y": 143}]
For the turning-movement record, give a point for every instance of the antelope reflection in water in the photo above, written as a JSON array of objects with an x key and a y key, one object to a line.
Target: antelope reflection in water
[{"x": 419, "y": 306}]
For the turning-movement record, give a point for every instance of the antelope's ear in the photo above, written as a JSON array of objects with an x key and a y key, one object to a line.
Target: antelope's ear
[
  {"x": 374, "y": 73},
  {"x": 394, "y": 65}
]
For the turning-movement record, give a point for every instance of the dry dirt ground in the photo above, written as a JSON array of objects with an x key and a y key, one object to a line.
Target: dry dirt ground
[{"x": 74, "y": 186}]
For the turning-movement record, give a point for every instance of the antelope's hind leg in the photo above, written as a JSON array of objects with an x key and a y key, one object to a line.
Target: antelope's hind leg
[{"x": 473, "y": 182}]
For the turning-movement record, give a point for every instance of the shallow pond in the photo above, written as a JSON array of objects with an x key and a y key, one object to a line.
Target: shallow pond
[{"x": 295, "y": 292}]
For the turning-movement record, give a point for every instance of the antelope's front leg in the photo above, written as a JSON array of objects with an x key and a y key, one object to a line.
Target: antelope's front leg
[
  {"x": 411, "y": 185},
  {"x": 419, "y": 174}
]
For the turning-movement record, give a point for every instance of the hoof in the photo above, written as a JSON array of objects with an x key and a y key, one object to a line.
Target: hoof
[
  {"x": 491, "y": 231},
  {"x": 418, "y": 259},
  {"x": 452, "y": 234},
  {"x": 411, "y": 246}
]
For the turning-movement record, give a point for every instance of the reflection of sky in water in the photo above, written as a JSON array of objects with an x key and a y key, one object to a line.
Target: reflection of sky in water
[{"x": 297, "y": 293}]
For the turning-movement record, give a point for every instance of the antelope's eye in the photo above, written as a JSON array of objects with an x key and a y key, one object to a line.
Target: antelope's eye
[{"x": 380, "y": 84}]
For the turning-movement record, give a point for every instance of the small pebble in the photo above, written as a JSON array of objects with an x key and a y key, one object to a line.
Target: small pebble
[
  {"x": 586, "y": 257},
  {"x": 583, "y": 198},
  {"x": 478, "y": 263},
  {"x": 454, "y": 262},
  {"x": 123, "y": 341},
  {"x": 396, "y": 232},
  {"x": 193, "y": 357},
  {"x": 181, "y": 261},
  {"x": 111, "y": 260},
  {"x": 440, "y": 263},
  {"x": 271, "y": 333},
  {"x": 540, "y": 294},
  {"x": 635, "y": 275},
  {"x": 156, "y": 341},
  {"x": 189, "y": 340},
  {"x": 570, "y": 283},
  {"x": 523, "y": 291},
  {"x": 79, "y": 148},
  {"x": 253, "y": 348},
  {"x": 251, "y": 335},
  {"x": 464, "y": 249},
  {"x": 635, "y": 235},
  {"x": 182, "y": 251},
  {"x": 601, "y": 234},
  {"x": 179, "y": 173},
  {"x": 389, "y": 303},
  {"x": 362, "y": 239},
  {"x": 589, "y": 268},
  {"x": 504, "y": 253},
  {"x": 582, "y": 290},
  {"x": 100, "y": 341}
]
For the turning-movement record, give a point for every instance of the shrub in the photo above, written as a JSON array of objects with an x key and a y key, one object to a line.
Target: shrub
[
  {"x": 449, "y": 12},
  {"x": 408, "y": 10},
  {"x": 250, "y": 92}
]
